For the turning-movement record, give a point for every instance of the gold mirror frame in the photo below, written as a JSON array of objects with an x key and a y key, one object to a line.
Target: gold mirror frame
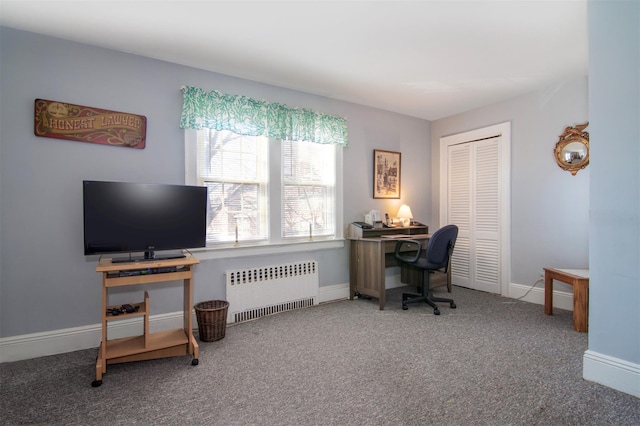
[{"x": 572, "y": 149}]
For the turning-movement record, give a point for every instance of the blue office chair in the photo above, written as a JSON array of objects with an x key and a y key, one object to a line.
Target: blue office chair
[{"x": 435, "y": 258}]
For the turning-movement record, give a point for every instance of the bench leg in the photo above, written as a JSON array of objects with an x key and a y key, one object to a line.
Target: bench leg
[
  {"x": 548, "y": 294},
  {"x": 580, "y": 306}
]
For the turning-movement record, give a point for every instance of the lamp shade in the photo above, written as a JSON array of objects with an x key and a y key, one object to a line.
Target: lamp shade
[{"x": 404, "y": 212}]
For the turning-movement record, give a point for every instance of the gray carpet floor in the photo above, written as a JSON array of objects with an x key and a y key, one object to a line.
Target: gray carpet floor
[{"x": 491, "y": 361}]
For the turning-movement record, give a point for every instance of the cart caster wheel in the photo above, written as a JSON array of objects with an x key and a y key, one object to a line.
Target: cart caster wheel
[
  {"x": 194, "y": 361},
  {"x": 452, "y": 305},
  {"x": 404, "y": 307},
  {"x": 96, "y": 383},
  {"x": 436, "y": 312}
]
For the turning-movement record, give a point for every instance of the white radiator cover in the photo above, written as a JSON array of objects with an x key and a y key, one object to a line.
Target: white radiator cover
[{"x": 256, "y": 292}]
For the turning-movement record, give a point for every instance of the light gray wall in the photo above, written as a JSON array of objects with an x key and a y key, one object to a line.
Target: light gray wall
[
  {"x": 549, "y": 206},
  {"x": 47, "y": 283},
  {"x": 614, "y": 103}
]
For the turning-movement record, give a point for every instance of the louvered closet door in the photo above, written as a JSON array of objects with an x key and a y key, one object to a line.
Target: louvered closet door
[{"x": 474, "y": 206}]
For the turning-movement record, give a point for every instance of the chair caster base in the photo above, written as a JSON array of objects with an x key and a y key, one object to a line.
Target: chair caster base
[
  {"x": 194, "y": 361},
  {"x": 404, "y": 307},
  {"x": 452, "y": 305},
  {"x": 96, "y": 383},
  {"x": 436, "y": 312}
]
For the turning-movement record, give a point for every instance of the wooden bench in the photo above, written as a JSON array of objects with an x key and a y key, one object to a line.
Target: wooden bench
[{"x": 579, "y": 279}]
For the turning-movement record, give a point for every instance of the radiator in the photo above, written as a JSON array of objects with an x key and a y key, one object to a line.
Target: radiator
[{"x": 256, "y": 292}]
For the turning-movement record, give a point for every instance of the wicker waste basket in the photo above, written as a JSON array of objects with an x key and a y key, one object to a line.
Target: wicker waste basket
[{"x": 212, "y": 319}]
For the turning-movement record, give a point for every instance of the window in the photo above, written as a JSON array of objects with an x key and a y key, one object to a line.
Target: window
[
  {"x": 264, "y": 190},
  {"x": 308, "y": 189},
  {"x": 234, "y": 168}
]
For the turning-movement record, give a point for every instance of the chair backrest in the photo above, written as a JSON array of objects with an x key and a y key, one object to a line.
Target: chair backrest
[{"x": 440, "y": 246}]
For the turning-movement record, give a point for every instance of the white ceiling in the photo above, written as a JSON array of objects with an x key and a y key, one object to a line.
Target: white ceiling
[{"x": 427, "y": 59}]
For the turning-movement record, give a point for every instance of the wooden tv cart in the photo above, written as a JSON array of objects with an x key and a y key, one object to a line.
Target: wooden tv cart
[{"x": 160, "y": 344}]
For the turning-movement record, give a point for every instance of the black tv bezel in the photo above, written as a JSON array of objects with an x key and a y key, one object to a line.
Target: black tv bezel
[{"x": 149, "y": 251}]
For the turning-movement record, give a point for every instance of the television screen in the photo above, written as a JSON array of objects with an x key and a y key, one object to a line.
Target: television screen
[{"x": 121, "y": 217}]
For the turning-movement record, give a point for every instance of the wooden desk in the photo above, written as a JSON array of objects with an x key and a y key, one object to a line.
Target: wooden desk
[
  {"x": 372, "y": 250},
  {"x": 579, "y": 279}
]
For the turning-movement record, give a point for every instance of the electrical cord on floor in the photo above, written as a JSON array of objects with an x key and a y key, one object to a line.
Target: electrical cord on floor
[{"x": 531, "y": 288}]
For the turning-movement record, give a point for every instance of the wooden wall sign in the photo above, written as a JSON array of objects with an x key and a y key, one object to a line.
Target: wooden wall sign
[{"x": 60, "y": 120}]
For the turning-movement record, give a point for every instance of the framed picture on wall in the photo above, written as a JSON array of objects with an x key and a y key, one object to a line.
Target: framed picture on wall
[{"x": 386, "y": 174}]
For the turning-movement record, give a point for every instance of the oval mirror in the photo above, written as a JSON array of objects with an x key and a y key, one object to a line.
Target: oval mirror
[{"x": 572, "y": 150}]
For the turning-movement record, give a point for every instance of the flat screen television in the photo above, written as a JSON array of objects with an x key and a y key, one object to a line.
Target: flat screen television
[{"x": 126, "y": 217}]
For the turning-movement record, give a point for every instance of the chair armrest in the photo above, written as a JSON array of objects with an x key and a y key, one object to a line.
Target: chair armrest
[{"x": 407, "y": 245}]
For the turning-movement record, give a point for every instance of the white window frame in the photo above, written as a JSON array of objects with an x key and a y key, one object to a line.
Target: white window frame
[{"x": 275, "y": 245}]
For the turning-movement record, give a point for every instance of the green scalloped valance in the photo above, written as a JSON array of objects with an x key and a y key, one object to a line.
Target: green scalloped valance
[{"x": 246, "y": 116}]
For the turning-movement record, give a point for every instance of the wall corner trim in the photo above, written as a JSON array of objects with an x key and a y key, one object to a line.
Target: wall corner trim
[{"x": 612, "y": 372}]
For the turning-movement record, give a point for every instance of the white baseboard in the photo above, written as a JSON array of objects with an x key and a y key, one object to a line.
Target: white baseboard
[
  {"x": 54, "y": 342},
  {"x": 608, "y": 371},
  {"x": 331, "y": 293},
  {"x": 611, "y": 372},
  {"x": 35, "y": 345},
  {"x": 561, "y": 299}
]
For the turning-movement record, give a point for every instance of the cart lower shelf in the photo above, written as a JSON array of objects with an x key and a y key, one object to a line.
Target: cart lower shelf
[
  {"x": 161, "y": 344},
  {"x": 134, "y": 348}
]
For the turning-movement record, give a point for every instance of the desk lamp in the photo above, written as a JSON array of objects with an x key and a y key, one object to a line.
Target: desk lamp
[{"x": 404, "y": 214}]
